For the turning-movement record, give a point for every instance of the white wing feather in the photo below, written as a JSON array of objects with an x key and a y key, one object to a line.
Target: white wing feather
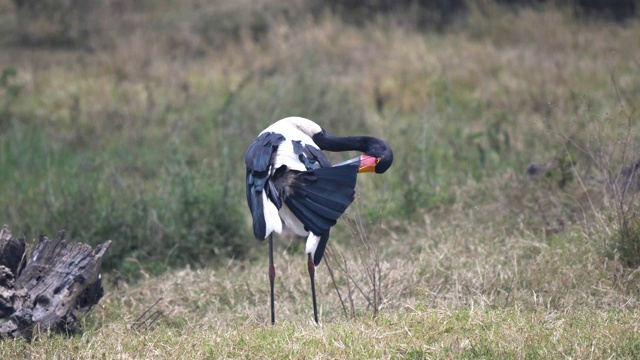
[{"x": 271, "y": 218}]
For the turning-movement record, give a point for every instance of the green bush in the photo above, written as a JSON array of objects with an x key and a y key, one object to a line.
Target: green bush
[{"x": 159, "y": 214}]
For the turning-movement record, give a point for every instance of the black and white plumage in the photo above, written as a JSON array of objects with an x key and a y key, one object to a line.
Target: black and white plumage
[{"x": 291, "y": 183}]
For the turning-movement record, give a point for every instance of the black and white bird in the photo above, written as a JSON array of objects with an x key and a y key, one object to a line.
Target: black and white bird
[{"x": 291, "y": 184}]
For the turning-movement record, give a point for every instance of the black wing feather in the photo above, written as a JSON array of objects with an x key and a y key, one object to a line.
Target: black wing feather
[
  {"x": 258, "y": 160},
  {"x": 310, "y": 156},
  {"x": 319, "y": 197},
  {"x": 316, "y": 155},
  {"x": 258, "y": 157},
  {"x": 254, "y": 199}
]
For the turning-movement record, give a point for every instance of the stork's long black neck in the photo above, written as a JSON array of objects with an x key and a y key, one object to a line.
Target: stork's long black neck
[
  {"x": 365, "y": 144},
  {"x": 326, "y": 141}
]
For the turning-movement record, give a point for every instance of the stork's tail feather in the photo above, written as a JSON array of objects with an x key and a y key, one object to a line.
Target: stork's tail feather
[
  {"x": 322, "y": 244},
  {"x": 319, "y": 197}
]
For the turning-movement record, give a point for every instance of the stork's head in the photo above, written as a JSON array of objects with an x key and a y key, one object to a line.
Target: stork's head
[{"x": 378, "y": 158}]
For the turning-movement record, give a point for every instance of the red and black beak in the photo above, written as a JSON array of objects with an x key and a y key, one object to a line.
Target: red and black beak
[{"x": 366, "y": 163}]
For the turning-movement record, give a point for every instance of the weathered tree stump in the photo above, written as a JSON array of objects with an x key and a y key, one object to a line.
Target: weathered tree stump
[{"x": 47, "y": 288}]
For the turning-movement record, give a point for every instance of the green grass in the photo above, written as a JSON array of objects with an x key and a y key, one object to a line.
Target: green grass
[{"x": 136, "y": 133}]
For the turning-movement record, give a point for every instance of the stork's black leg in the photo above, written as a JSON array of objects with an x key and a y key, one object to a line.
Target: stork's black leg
[
  {"x": 272, "y": 277},
  {"x": 312, "y": 270}
]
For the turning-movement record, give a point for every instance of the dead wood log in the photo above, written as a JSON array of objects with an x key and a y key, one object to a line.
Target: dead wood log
[
  {"x": 11, "y": 251},
  {"x": 58, "y": 279}
]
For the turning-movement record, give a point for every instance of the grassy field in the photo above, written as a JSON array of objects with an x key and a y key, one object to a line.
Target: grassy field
[{"x": 506, "y": 227}]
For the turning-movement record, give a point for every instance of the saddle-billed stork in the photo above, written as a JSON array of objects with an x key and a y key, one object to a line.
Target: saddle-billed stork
[{"x": 291, "y": 184}]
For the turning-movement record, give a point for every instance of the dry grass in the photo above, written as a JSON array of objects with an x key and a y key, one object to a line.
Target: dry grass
[
  {"x": 224, "y": 313},
  {"x": 438, "y": 333}
]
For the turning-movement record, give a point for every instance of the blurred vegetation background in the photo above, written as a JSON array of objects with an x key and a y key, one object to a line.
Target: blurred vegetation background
[{"x": 128, "y": 119}]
